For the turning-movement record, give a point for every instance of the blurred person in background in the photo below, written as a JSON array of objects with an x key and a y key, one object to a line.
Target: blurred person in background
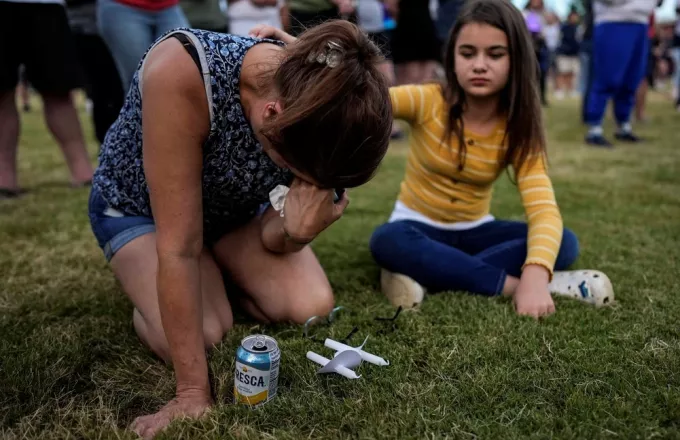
[
  {"x": 536, "y": 16},
  {"x": 620, "y": 52},
  {"x": 535, "y": 22},
  {"x": 676, "y": 56},
  {"x": 585, "y": 55},
  {"x": 308, "y": 13},
  {"x": 36, "y": 34},
  {"x": 446, "y": 17},
  {"x": 102, "y": 83},
  {"x": 208, "y": 15},
  {"x": 130, "y": 27},
  {"x": 552, "y": 34},
  {"x": 649, "y": 78},
  {"x": 568, "y": 63},
  {"x": 660, "y": 67},
  {"x": 244, "y": 15},
  {"x": 371, "y": 19},
  {"x": 416, "y": 47},
  {"x": 24, "y": 90}
]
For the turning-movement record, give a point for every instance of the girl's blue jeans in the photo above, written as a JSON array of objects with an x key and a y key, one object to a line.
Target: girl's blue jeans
[{"x": 475, "y": 260}]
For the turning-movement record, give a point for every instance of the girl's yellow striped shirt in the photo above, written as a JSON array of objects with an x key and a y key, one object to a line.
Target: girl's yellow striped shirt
[{"x": 434, "y": 186}]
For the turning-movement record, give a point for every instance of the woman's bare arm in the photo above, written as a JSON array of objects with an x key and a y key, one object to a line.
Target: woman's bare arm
[{"x": 176, "y": 122}]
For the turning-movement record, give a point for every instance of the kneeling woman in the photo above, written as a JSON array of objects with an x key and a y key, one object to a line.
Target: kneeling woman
[
  {"x": 464, "y": 134},
  {"x": 212, "y": 124}
]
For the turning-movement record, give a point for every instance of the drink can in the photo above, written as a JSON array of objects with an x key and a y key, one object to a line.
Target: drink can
[{"x": 256, "y": 373}]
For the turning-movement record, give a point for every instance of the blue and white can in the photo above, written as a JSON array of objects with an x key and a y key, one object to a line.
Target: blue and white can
[{"x": 256, "y": 374}]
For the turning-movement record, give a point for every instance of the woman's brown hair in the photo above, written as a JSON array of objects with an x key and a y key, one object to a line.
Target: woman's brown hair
[
  {"x": 519, "y": 101},
  {"x": 336, "y": 114}
]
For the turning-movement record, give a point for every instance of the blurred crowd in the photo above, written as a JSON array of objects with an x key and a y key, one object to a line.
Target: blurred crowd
[{"x": 55, "y": 47}]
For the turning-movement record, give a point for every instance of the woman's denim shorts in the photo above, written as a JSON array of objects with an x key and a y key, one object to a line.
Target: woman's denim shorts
[{"x": 112, "y": 228}]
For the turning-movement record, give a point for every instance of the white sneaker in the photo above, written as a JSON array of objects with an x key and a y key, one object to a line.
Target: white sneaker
[
  {"x": 591, "y": 286},
  {"x": 401, "y": 290}
]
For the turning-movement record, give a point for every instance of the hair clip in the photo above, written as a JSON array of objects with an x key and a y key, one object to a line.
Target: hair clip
[
  {"x": 331, "y": 57},
  {"x": 334, "y": 55}
]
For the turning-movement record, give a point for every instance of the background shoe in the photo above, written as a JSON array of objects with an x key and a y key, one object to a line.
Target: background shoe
[
  {"x": 13, "y": 193},
  {"x": 597, "y": 140},
  {"x": 627, "y": 137},
  {"x": 591, "y": 286},
  {"x": 401, "y": 290}
]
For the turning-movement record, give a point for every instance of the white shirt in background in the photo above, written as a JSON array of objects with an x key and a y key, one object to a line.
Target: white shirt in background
[
  {"x": 551, "y": 32},
  {"x": 244, "y": 16},
  {"x": 370, "y": 16}
]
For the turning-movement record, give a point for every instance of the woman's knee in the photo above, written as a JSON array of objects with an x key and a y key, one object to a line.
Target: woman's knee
[
  {"x": 154, "y": 337},
  {"x": 569, "y": 250},
  {"x": 214, "y": 329},
  {"x": 319, "y": 304},
  {"x": 299, "y": 303},
  {"x": 151, "y": 335}
]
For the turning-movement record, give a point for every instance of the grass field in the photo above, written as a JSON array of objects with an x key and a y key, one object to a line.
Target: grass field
[{"x": 71, "y": 365}]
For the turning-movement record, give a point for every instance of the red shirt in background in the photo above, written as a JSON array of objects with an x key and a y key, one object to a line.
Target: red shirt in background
[{"x": 149, "y": 5}]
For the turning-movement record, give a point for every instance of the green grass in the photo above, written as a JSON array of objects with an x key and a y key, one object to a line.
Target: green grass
[{"x": 71, "y": 365}]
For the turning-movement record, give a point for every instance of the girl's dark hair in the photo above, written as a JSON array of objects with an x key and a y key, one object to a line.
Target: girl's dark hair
[
  {"x": 520, "y": 99},
  {"x": 336, "y": 119}
]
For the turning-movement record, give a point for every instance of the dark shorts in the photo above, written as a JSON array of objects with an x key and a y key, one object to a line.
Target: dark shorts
[
  {"x": 415, "y": 38},
  {"x": 114, "y": 229},
  {"x": 38, "y": 36}
]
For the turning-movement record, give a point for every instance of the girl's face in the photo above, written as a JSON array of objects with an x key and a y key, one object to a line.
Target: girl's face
[{"x": 482, "y": 60}]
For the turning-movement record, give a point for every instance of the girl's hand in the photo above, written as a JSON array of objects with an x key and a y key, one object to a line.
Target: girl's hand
[
  {"x": 266, "y": 31},
  {"x": 309, "y": 210},
  {"x": 532, "y": 297}
]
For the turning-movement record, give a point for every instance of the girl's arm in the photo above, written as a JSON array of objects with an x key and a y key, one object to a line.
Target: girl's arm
[
  {"x": 176, "y": 122},
  {"x": 414, "y": 103},
  {"x": 532, "y": 296},
  {"x": 266, "y": 31},
  {"x": 543, "y": 215}
]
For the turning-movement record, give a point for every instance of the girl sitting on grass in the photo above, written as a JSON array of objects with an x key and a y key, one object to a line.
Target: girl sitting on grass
[{"x": 464, "y": 134}]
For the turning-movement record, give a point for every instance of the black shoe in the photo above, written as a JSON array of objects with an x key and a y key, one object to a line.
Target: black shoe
[
  {"x": 627, "y": 136},
  {"x": 7, "y": 193},
  {"x": 597, "y": 140}
]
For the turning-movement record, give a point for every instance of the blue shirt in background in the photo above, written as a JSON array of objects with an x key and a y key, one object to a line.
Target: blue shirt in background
[{"x": 570, "y": 45}]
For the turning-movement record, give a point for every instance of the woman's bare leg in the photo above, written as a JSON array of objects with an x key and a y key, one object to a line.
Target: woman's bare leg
[
  {"x": 278, "y": 287},
  {"x": 136, "y": 265}
]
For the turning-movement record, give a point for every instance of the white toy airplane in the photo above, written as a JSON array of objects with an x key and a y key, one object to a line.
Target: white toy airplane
[{"x": 346, "y": 358}]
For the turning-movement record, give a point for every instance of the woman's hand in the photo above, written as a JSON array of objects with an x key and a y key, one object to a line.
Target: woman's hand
[
  {"x": 185, "y": 405},
  {"x": 532, "y": 297},
  {"x": 309, "y": 210},
  {"x": 266, "y": 31}
]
